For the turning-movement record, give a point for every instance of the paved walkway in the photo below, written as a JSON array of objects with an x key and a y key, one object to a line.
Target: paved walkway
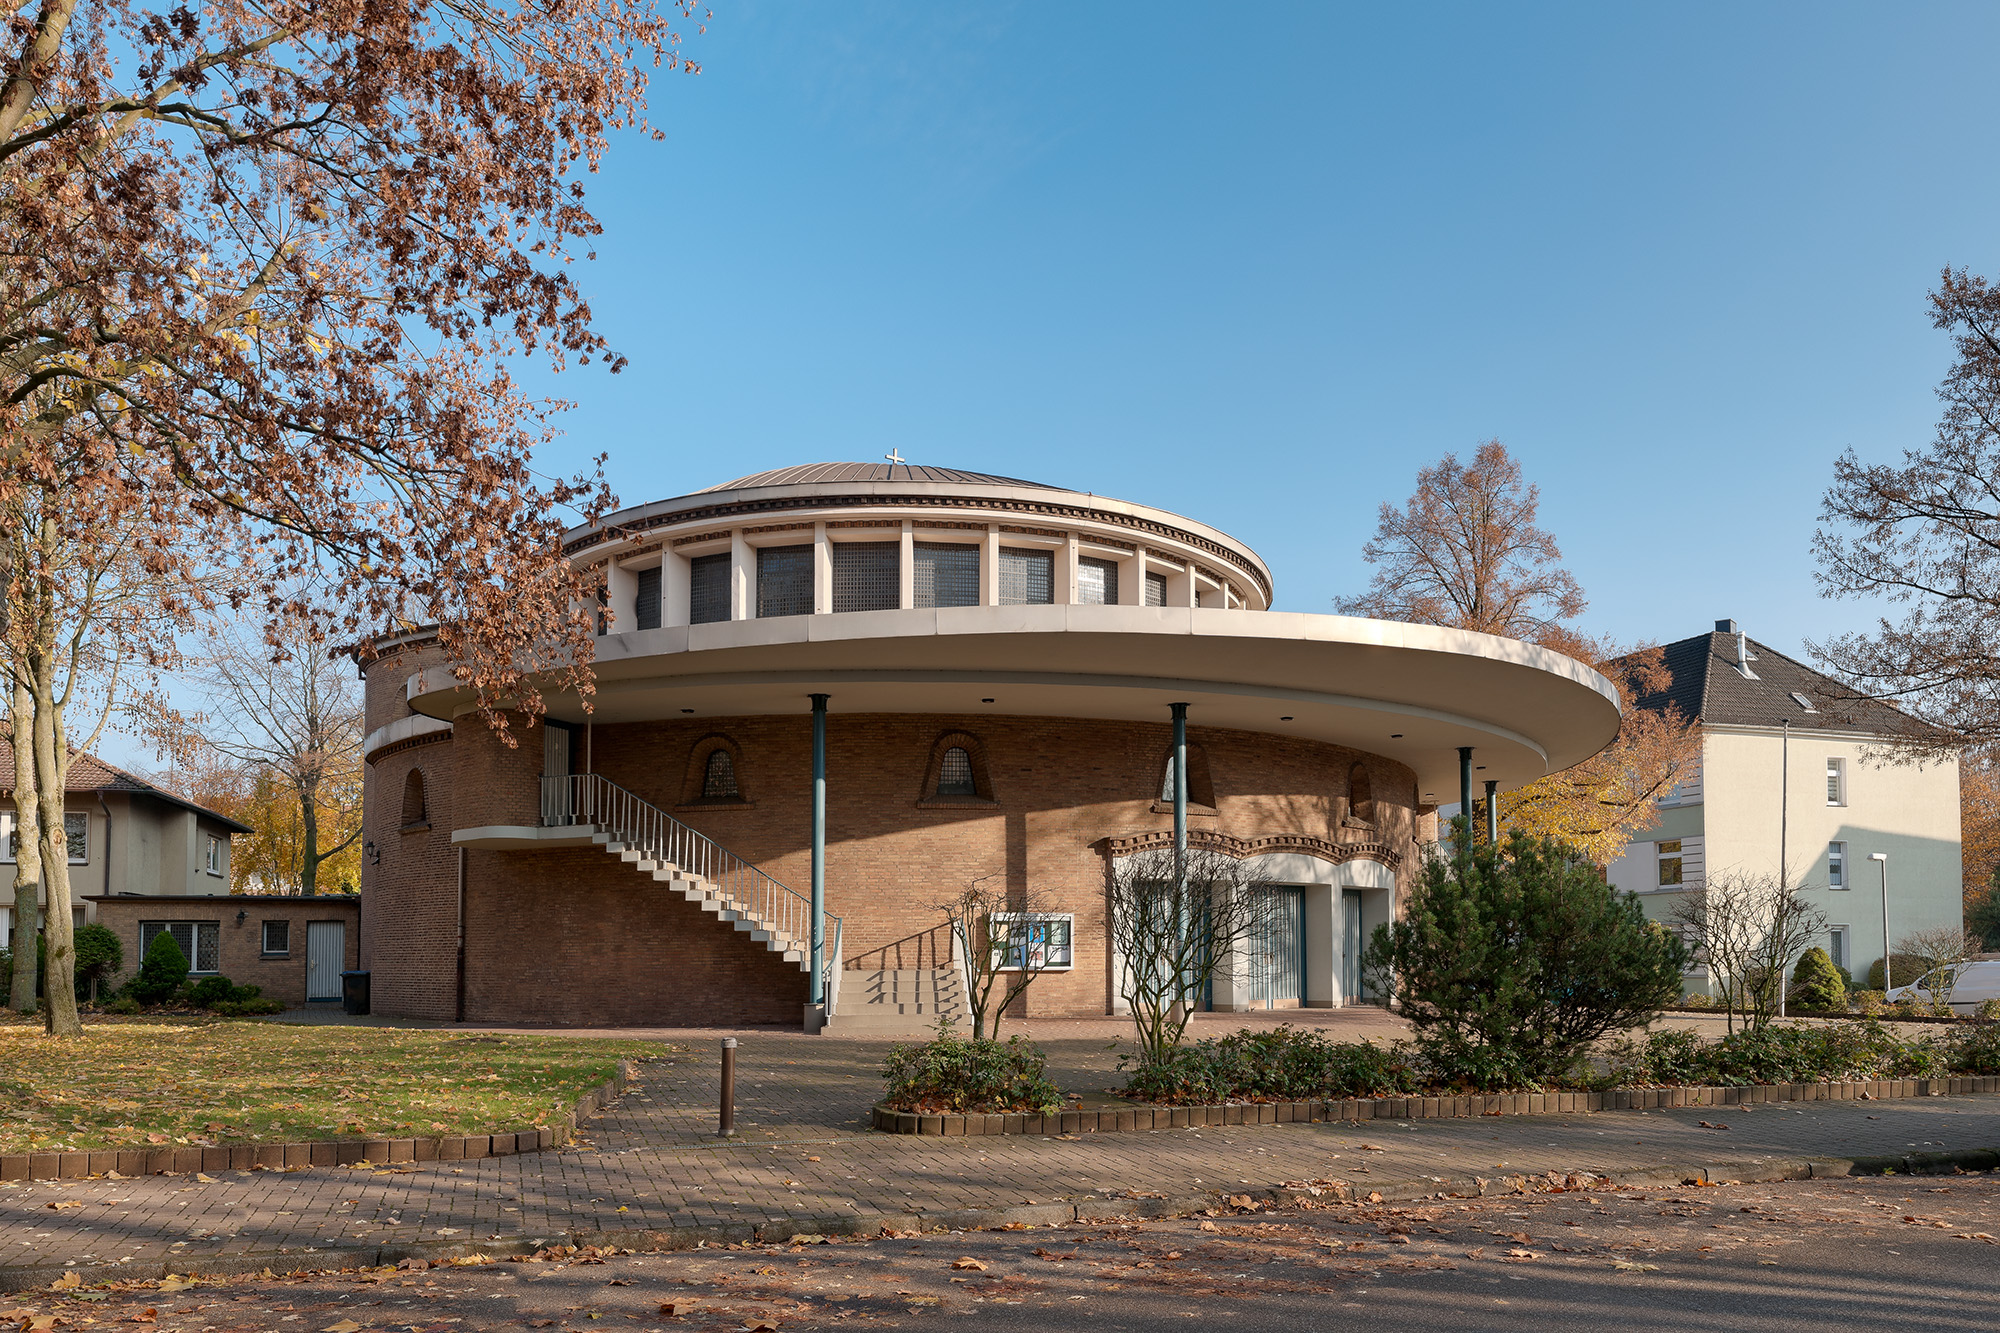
[{"x": 806, "y": 1157}]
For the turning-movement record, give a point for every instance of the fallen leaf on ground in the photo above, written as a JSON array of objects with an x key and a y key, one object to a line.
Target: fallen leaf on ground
[
  {"x": 344, "y": 1326},
  {"x": 1634, "y": 1266},
  {"x": 762, "y": 1326},
  {"x": 1706, "y": 1125},
  {"x": 61, "y": 1204},
  {"x": 1522, "y": 1254},
  {"x": 969, "y": 1263},
  {"x": 672, "y": 1309},
  {"x": 67, "y": 1282}
]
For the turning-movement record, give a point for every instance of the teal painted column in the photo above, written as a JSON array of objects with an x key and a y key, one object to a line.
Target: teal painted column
[
  {"x": 817, "y": 990},
  {"x": 1180, "y": 793},
  {"x": 1492, "y": 813},
  {"x": 1465, "y": 799}
]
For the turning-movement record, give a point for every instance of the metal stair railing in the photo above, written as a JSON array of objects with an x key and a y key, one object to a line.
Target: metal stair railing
[{"x": 593, "y": 801}]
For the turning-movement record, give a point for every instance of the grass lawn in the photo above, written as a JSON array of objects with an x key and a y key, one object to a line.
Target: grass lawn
[{"x": 190, "y": 1081}]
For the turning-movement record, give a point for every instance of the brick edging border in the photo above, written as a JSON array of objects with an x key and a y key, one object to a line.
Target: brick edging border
[
  {"x": 151, "y": 1161},
  {"x": 1127, "y": 1120},
  {"x": 1091, "y": 1208}
]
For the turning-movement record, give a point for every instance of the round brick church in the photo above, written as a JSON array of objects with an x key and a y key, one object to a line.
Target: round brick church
[{"x": 868, "y": 685}]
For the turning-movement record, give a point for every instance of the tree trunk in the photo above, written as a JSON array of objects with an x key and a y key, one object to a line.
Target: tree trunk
[
  {"x": 309, "y": 853},
  {"x": 27, "y": 857},
  {"x": 51, "y": 773}
]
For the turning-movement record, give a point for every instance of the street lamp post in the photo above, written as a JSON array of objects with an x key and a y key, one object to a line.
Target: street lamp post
[{"x": 1882, "y": 859}]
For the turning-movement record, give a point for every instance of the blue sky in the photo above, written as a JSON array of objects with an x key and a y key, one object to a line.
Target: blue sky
[{"x": 1258, "y": 264}]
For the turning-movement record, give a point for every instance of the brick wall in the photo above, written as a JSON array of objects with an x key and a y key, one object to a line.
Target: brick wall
[{"x": 243, "y": 961}]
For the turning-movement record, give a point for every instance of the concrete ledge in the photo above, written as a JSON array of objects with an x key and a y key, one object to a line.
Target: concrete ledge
[
  {"x": 1128, "y": 1120},
  {"x": 318, "y": 1153}
]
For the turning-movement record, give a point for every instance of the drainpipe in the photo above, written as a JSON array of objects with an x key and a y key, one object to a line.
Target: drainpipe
[
  {"x": 816, "y": 989},
  {"x": 106, "y": 889},
  {"x": 1492, "y": 812},
  {"x": 1784, "y": 837},
  {"x": 461, "y": 935},
  {"x": 1465, "y": 799}
]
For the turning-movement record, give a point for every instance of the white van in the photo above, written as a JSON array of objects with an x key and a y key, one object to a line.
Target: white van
[{"x": 1977, "y": 983}]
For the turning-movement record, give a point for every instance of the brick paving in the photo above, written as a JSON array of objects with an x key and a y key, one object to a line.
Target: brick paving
[{"x": 805, "y": 1155}]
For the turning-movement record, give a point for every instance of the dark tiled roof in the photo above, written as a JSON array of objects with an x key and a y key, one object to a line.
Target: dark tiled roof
[
  {"x": 807, "y": 474},
  {"x": 88, "y": 773},
  {"x": 1706, "y": 684}
]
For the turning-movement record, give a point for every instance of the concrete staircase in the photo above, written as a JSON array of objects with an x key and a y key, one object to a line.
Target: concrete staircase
[
  {"x": 711, "y": 877},
  {"x": 899, "y": 1002}
]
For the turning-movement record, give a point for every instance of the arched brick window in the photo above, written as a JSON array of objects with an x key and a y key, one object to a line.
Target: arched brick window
[
  {"x": 1360, "y": 795},
  {"x": 715, "y": 774},
  {"x": 1200, "y": 790},
  {"x": 414, "y": 809},
  {"x": 956, "y": 773}
]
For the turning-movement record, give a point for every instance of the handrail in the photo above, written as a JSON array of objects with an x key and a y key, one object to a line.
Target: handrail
[{"x": 593, "y": 800}]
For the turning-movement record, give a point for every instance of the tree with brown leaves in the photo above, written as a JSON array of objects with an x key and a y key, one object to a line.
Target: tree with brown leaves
[
  {"x": 266, "y": 264},
  {"x": 1925, "y": 534},
  {"x": 1465, "y": 552}
]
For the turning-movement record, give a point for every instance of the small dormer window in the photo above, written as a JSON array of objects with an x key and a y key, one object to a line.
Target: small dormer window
[{"x": 1804, "y": 703}]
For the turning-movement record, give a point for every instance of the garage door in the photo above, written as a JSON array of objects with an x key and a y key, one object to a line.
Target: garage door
[{"x": 1277, "y": 962}]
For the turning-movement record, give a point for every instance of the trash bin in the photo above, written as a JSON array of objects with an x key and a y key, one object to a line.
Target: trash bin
[{"x": 354, "y": 992}]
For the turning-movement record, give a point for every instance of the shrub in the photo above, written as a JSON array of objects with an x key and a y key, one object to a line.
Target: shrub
[
  {"x": 210, "y": 991},
  {"x": 1512, "y": 961},
  {"x": 1977, "y": 1052},
  {"x": 99, "y": 954},
  {"x": 1277, "y": 1064},
  {"x": 121, "y": 1004},
  {"x": 1908, "y": 968},
  {"x": 1817, "y": 984},
  {"x": 951, "y": 1075},
  {"x": 1696, "y": 1000},
  {"x": 161, "y": 973},
  {"x": 248, "y": 1007},
  {"x": 1670, "y": 1056},
  {"x": 1989, "y": 1012},
  {"x": 1868, "y": 1002}
]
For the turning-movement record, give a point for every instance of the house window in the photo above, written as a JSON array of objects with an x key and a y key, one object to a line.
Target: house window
[
  {"x": 708, "y": 589},
  {"x": 1360, "y": 795},
  {"x": 1836, "y": 865},
  {"x": 200, "y": 941},
  {"x": 1836, "y": 945},
  {"x": 76, "y": 828},
  {"x": 277, "y": 939},
  {"x": 1034, "y": 940},
  {"x": 867, "y": 576},
  {"x": 1836, "y": 782},
  {"x": 211, "y": 860},
  {"x": 784, "y": 581},
  {"x": 646, "y": 611},
  {"x": 718, "y": 777},
  {"x": 1096, "y": 582},
  {"x": 1027, "y": 577},
  {"x": 1156, "y": 589},
  {"x": 955, "y": 773},
  {"x": 1670, "y": 862},
  {"x": 946, "y": 574}
]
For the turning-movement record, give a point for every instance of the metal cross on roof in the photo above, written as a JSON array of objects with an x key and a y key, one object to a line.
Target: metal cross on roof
[{"x": 894, "y": 455}]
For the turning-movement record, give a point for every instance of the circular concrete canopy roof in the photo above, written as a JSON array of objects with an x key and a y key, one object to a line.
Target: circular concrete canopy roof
[
  {"x": 1413, "y": 693},
  {"x": 814, "y": 474}
]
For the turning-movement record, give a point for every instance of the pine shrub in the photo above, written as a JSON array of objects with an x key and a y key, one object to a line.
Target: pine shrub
[
  {"x": 162, "y": 971},
  {"x": 1817, "y": 983}
]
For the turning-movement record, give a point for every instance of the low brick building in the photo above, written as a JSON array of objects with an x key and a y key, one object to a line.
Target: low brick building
[
  {"x": 993, "y": 669},
  {"x": 295, "y": 948}
]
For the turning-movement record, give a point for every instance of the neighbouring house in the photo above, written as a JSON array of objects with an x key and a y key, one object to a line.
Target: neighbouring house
[
  {"x": 143, "y": 860},
  {"x": 991, "y": 669},
  {"x": 1797, "y": 773}
]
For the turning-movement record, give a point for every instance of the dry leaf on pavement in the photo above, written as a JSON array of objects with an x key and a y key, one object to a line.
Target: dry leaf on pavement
[{"x": 969, "y": 1263}]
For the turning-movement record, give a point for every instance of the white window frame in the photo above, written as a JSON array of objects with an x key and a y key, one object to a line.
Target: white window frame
[
  {"x": 1838, "y": 939},
  {"x": 1665, "y": 850},
  {"x": 1836, "y": 782},
  {"x": 193, "y": 952},
  {"x": 1836, "y": 867},
  {"x": 212, "y": 858},
  {"x": 264, "y": 948},
  {"x": 1067, "y": 949},
  {"x": 9, "y": 831},
  {"x": 70, "y": 838}
]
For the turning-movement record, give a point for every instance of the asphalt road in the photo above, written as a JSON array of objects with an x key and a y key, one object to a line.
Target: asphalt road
[{"x": 1881, "y": 1253}]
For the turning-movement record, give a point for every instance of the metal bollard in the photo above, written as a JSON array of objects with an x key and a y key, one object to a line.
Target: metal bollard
[{"x": 728, "y": 1126}]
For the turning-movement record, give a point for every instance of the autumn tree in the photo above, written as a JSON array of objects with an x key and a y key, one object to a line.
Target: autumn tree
[
  {"x": 1924, "y": 534},
  {"x": 266, "y": 266},
  {"x": 1465, "y": 552},
  {"x": 1979, "y": 825},
  {"x": 291, "y": 715}
]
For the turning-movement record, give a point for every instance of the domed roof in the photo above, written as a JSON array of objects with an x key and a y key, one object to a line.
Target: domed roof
[{"x": 806, "y": 474}]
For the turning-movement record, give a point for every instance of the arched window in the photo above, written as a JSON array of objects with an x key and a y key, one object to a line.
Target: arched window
[
  {"x": 1200, "y": 791},
  {"x": 718, "y": 777},
  {"x": 1360, "y": 795},
  {"x": 955, "y": 774},
  {"x": 414, "y": 810}
]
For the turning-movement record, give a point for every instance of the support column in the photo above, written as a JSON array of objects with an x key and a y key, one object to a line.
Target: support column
[
  {"x": 1492, "y": 813},
  {"x": 1465, "y": 799},
  {"x": 816, "y": 987}
]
